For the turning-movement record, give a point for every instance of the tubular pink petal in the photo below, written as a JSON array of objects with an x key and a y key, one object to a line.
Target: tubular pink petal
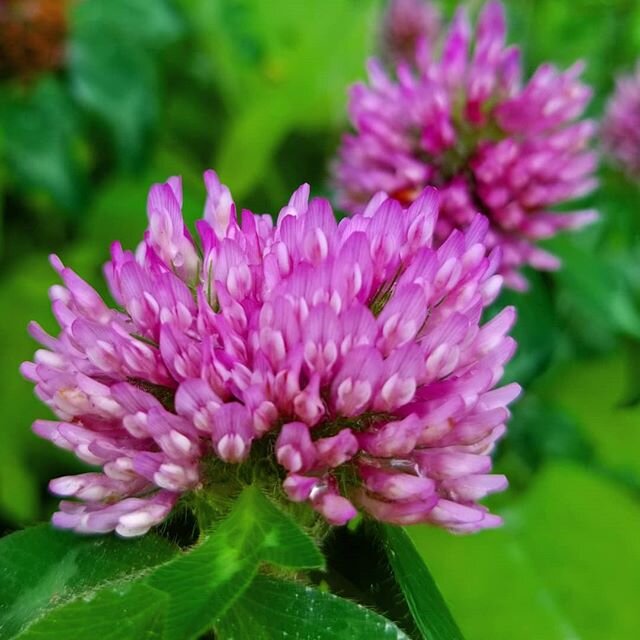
[{"x": 294, "y": 449}]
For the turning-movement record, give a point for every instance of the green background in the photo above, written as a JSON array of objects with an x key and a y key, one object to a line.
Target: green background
[{"x": 257, "y": 90}]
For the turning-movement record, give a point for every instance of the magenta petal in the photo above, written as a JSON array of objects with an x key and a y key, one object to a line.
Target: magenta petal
[
  {"x": 336, "y": 509},
  {"x": 337, "y": 449},
  {"x": 294, "y": 449},
  {"x": 232, "y": 432}
]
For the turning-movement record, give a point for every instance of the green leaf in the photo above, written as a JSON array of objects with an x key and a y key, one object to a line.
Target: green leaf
[
  {"x": 280, "y": 539},
  {"x": 541, "y": 430},
  {"x": 427, "y": 605},
  {"x": 378, "y": 567},
  {"x": 2, "y": 199},
  {"x": 605, "y": 37},
  {"x": 44, "y": 570},
  {"x": 112, "y": 67},
  {"x": 48, "y": 578},
  {"x": 153, "y": 24},
  {"x": 535, "y": 330},
  {"x": 595, "y": 289},
  {"x": 265, "y": 57},
  {"x": 565, "y": 565},
  {"x": 592, "y": 392},
  {"x": 39, "y": 138},
  {"x": 239, "y": 148},
  {"x": 358, "y": 569},
  {"x": 204, "y": 582},
  {"x": 138, "y": 610},
  {"x": 116, "y": 81},
  {"x": 272, "y": 609},
  {"x": 617, "y": 201}
]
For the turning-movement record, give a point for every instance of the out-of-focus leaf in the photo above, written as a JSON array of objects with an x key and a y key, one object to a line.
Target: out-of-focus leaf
[
  {"x": 595, "y": 289},
  {"x": 535, "y": 330},
  {"x": 265, "y": 122},
  {"x": 112, "y": 69},
  {"x": 425, "y": 601},
  {"x": 117, "y": 213},
  {"x": 273, "y": 47},
  {"x": 39, "y": 131},
  {"x": 272, "y": 609},
  {"x": 604, "y": 39},
  {"x": 593, "y": 392},
  {"x": 267, "y": 63},
  {"x": 119, "y": 210},
  {"x": 540, "y": 430},
  {"x": 42, "y": 570},
  {"x": 617, "y": 201},
  {"x": 204, "y": 582},
  {"x": 117, "y": 82},
  {"x": 151, "y": 24},
  {"x": 2, "y": 188},
  {"x": 535, "y": 578}
]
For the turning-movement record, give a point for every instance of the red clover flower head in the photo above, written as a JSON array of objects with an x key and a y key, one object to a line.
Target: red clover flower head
[{"x": 344, "y": 363}]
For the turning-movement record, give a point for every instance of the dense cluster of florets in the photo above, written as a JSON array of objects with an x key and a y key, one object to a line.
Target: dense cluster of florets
[
  {"x": 354, "y": 349},
  {"x": 460, "y": 119}
]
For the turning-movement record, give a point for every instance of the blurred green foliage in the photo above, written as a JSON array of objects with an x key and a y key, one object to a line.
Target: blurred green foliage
[
  {"x": 257, "y": 90},
  {"x": 564, "y": 566}
]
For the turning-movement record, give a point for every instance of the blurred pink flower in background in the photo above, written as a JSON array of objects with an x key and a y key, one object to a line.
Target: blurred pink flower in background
[
  {"x": 405, "y": 24},
  {"x": 621, "y": 124},
  {"x": 460, "y": 119}
]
